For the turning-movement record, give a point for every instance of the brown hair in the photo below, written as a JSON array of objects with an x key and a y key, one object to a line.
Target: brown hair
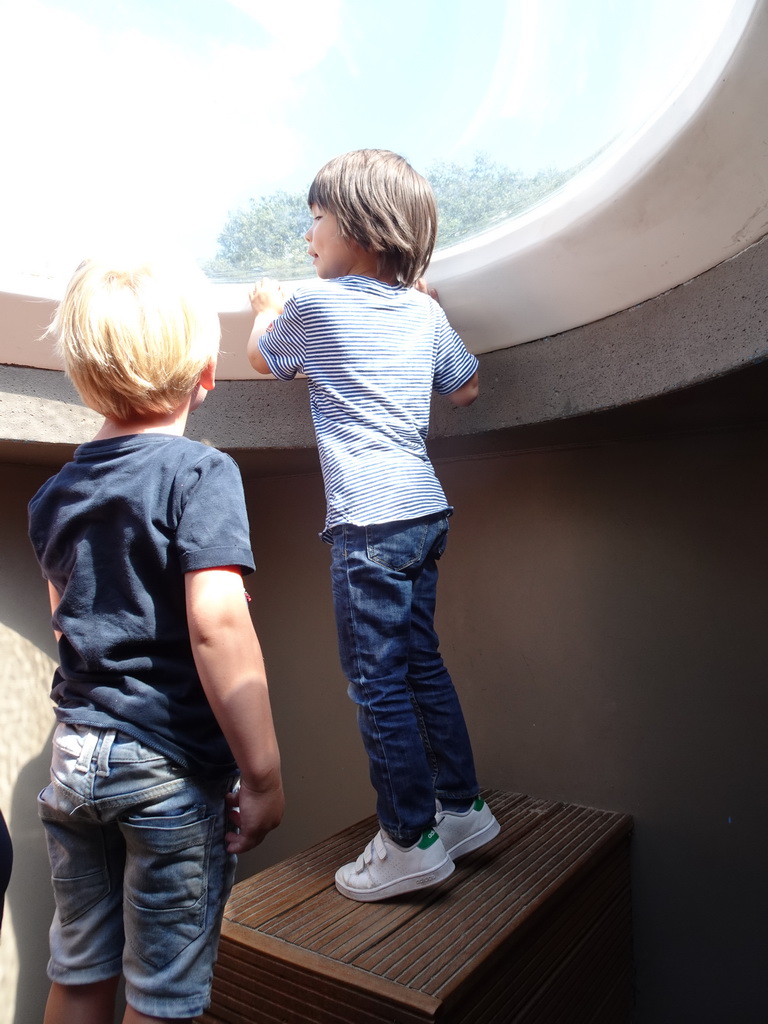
[{"x": 381, "y": 203}]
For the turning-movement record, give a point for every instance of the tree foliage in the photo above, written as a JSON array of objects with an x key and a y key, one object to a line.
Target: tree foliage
[
  {"x": 266, "y": 237},
  {"x": 473, "y": 199}
]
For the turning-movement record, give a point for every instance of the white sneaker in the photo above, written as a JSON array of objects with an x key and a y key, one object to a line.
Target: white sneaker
[
  {"x": 385, "y": 869},
  {"x": 466, "y": 831}
]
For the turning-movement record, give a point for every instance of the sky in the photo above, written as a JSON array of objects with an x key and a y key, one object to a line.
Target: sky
[{"x": 151, "y": 120}]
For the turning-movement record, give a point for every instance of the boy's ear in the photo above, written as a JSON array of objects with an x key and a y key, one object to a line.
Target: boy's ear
[{"x": 208, "y": 376}]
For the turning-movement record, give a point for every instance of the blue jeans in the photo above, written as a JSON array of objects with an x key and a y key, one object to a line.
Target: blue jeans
[
  {"x": 384, "y": 580},
  {"x": 140, "y": 870}
]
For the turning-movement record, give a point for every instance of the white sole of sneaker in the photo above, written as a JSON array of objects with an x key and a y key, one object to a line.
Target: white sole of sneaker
[{"x": 399, "y": 886}]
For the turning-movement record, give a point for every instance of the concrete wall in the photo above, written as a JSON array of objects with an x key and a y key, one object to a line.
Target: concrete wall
[{"x": 603, "y": 611}]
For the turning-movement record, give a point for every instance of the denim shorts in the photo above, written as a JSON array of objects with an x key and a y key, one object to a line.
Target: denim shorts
[{"x": 140, "y": 870}]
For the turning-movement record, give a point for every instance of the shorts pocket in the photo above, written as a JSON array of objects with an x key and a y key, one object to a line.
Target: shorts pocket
[
  {"x": 79, "y": 867},
  {"x": 166, "y": 883}
]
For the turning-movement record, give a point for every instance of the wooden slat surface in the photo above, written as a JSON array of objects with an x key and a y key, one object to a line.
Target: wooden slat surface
[{"x": 290, "y": 939}]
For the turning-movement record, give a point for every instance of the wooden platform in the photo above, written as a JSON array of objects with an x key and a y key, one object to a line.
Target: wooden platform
[{"x": 532, "y": 929}]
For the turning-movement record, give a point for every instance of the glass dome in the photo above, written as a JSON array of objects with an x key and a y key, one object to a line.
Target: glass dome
[{"x": 201, "y": 125}]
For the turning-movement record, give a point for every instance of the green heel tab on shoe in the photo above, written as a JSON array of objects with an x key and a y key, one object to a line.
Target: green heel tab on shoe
[
  {"x": 478, "y": 804},
  {"x": 428, "y": 839}
]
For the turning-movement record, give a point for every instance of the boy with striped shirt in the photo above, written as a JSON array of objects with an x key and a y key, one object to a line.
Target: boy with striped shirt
[{"x": 373, "y": 346}]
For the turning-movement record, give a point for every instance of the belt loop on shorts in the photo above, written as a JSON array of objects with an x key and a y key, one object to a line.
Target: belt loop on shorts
[
  {"x": 102, "y": 764},
  {"x": 83, "y": 762}
]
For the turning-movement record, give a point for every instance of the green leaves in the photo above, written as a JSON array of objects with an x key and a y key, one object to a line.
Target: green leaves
[{"x": 266, "y": 237}]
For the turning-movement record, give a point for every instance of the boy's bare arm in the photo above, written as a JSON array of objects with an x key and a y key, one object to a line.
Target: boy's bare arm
[
  {"x": 230, "y": 664},
  {"x": 53, "y": 597},
  {"x": 267, "y": 301},
  {"x": 467, "y": 393}
]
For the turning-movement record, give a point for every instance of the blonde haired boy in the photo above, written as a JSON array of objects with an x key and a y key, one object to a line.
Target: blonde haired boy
[{"x": 161, "y": 697}]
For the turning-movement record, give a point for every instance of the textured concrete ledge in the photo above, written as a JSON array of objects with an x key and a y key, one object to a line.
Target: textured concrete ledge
[
  {"x": 695, "y": 333},
  {"x": 698, "y": 331}
]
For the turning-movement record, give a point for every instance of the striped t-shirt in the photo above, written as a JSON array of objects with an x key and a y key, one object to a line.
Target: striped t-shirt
[{"x": 373, "y": 353}]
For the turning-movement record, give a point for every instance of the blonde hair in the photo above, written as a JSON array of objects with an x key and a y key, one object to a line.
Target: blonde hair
[
  {"x": 135, "y": 336},
  {"x": 381, "y": 203}
]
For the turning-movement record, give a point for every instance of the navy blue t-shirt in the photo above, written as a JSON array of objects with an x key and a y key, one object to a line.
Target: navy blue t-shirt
[{"x": 115, "y": 531}]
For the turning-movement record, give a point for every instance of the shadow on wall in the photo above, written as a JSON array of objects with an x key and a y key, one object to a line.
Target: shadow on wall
[
  {"x": 27, "y": 721},
  {"x": 31, "y": 902}
]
